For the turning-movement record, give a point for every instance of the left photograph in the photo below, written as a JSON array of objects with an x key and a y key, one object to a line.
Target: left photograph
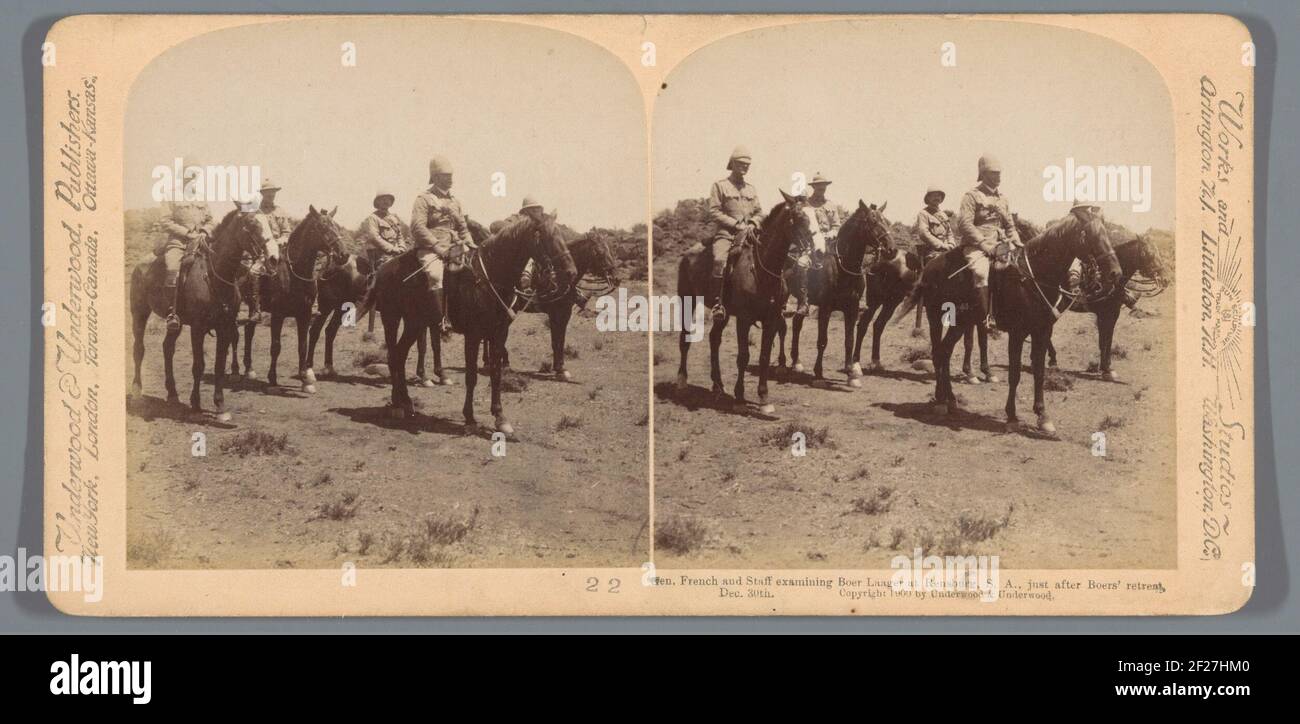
[{"x": 365, "y": 262}]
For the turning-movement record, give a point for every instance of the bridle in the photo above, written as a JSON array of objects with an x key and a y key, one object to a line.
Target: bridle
[
  {"x": 256, "y": 249},
  {"x": 1090, "y": 260},
  {"x": 795, "y": 214}
]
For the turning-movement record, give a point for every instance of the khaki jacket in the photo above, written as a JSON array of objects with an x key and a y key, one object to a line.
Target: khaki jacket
[
  {"x": 985, "y": 219},
  {"x": 437, "y": 222},
  {"x": 730, "y": 205}
]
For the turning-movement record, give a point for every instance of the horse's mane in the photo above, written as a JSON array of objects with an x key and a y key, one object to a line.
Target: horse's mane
[
  {"x": 513, "y": 228},
  {"x": 1060, "y": 228},
  {"x": 222, "y": 226}
]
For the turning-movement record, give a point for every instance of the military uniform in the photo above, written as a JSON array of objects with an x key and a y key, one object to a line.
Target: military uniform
[
  {"x": 438, "y": 227},
  {"x": 984, "y": 222},
  {"x": 185, "y": 223},
  {"x": 828, "y": 224},
  {"x": 729, "y": 207},
  {"x": 382, "y": 237},
  {"x": 934, "y": 232}
]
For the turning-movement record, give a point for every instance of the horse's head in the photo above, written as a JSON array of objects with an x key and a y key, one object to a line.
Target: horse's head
[
  {"x": 1150, "y": 263},
  {"x": 322, "y": 234},
  {"x": 788, "y": 220},
  {"x": 1092, "y": 246},
  {"x": 876, "y": 227},
  {"x": 549, "y": 250},
  {"x": 596, "y": 255},
  {"x": 252, "y": 239}
]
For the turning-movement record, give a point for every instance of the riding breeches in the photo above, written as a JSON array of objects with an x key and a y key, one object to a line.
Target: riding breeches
[
  {"x": 720, "y": 249},
  {"x": 979, "y": 265},
  {"x": 172, "y": 263},
  {"x": 432, "y": 265}
]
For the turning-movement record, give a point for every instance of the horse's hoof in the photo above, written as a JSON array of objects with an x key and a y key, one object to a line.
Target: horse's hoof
[
  {"x": 446, "y": 381},
  {"x": 856, "y": 370},
  {"x": 504, "y": 427},
  {"x": 136, "y": 392},
  {"x": 328, "y": 371},
  {"x": 309, "y": 389},
  {"x": 563, "y": 375},
  {"x": 941, "y": 408},
  {"x": 1045, "y": 425},
  {"x": 876, "y": 366},
  {"x": 1110, "y": 376},
  {"x": 223, "y": 417},
  {"x": 174, "y": 398},
  {"x": 972, "y": 379},
  {"x": 426, "y": 382},
  {"x": 855, "y": 382},
  {"x": 1013, "y": 425},
  {"x": 1051, "y": 363},
  {"x": 309, "y": 376},
  {"x": 249, "y": 374},
  {"x": 798, "y": 367},
  {"x": 767, "y": 408}
]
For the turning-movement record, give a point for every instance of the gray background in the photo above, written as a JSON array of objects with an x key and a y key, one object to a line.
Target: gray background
[{"x": 1273, "y": 608}]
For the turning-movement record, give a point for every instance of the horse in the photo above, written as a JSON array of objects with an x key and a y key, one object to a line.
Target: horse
[
  {"x": 290, "y": 291},
  {"x": 755, "y": 292},
  {"x": 476, "y": 299},
  {"x": 1024, "y": 297},
  {"x": 838, "y": 285},
  {"x": 207, "y": 299},
  {"x": 1144, "y": 275},
  {"x": 592, "y": 258},
  {"x": 340, "y": 282},
  {"x": 889, "y": 280}
]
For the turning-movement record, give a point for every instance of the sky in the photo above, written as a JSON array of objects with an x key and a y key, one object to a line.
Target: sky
[
  {"x": 559, "y": 116},
  {"x": 869, "y": 104}
]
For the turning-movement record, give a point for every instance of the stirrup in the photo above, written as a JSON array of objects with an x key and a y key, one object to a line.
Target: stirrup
[
  {"x": 719, "y": 312},
  {"x": 173, "y": 322}
]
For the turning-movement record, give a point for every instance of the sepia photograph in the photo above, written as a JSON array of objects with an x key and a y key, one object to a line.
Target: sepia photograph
[
  {"x": 937, "y": 258},
  {"x": 334, "y": 231}
]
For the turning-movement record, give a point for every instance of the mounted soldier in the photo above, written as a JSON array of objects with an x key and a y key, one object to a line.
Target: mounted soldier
[
  {"x": 983, "y": 223},
  {"x": 276, "y": 226},
  {"x": 186, "y": 224},
  {"x": 382, "y": 236},
  {"x": 439, "y": 229},
  {"x": 828, "y": 221},
  {"x": 736, "y": 213},
  {"x": 933, "y": 230},
  {"x": 533, "y": 209}
]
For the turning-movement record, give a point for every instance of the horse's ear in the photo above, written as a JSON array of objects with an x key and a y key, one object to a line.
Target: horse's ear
[
  {"x": 311, "y": 210},
  {"x": 862, "y": 204},
  {"x": 553, "y": 215},
  {"x": 333, "y": 211},
  {"x": 237, "y": 206},
  {"x": 882, "y": 207},
  {"x": 789, "y": 200}
]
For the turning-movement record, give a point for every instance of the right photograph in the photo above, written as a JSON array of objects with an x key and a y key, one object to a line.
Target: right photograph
[{"x": 929, "y": 264}]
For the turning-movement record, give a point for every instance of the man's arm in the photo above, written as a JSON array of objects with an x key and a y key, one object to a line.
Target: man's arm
[
  {"x": 715, "y": 209},
  {"x": 928, "y": 240},
  {"x": 966, "y": 228}
]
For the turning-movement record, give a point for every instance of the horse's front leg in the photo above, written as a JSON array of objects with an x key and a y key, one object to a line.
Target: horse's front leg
[
  {"x": 765, "y": 359},
  {"x": 864, "y": 322},
  {"x": 331, "y": 331},
  {"x": 402, "y": 404},
  {"x": 435, "y": 344},
  {"x": 421, "y": 343},
  {"x": 249, "y": 329},
  {"x": 742, "y": 358},
  {"x": 945, "y": 398},
  {"x": 495, "y": 365},
  {"x": 796, "y": 329},
  {"x": 277, "y": 323},
  {"x": 471, "y": 379},
  {"x": 982, "y": 332},
  {"x": 853, "y": 369},
  {"x": 226, "y": 332},
  {"x": 317, "y": 323},
  {"x": 197, "y": 335},
  {"x": 559, "y": 332},
  {"x": 169, "y": 369},
  {"x": 303, "y": 323},
  {"x": 1015, "y": 349},
  {"x": 715, "y": 361},
  {"x": 1038, "y": 357},
  {"x": 824, "y": 312},
  {"x": 234, "y": 350},
  {"x": 968, "y": 345},
  {"x": 1105, "y": 341},
  {"x": 878, "y": 330}
]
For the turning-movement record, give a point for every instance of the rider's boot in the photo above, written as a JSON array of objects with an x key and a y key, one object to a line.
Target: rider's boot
[
  {"x": 714, "y": 297},
  {"x": 173, "y": 321},
  {"x": 983, "y": 312}
]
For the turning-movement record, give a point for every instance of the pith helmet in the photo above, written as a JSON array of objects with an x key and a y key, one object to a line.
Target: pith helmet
[
  {"x": 989, "y": 162},
  {"x": 381, "y": 194},
  {"x": 268, "y": 185},
  {"x": 530, "y": 202},
  {"x": 818, "y": 178},
  {"x": 739, "y": 153},
  {"x": 437, "y": 165},
  {"x": 1082, "y": 205},
  {"x": 934, "y": 190}
]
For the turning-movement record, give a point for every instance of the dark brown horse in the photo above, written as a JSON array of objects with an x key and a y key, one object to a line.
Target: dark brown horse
[
  {"x": 838, "y": 285},
  {"x": 889, "y": 280},
  {"x": 478, "y": 298},
  {"x": 593, "y": 258},
  {"x": 755, "y": 293},
  {"x": 1024, "y": 296},
  {"x": 208, "y": 299},
  {"x": 1145, "y": 275},
  {"x": 340, "y": 283},
  {"x": 290, "y": 290}
]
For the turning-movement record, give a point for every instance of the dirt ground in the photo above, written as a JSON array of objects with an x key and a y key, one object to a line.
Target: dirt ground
[
  {"x": 884, "y": 475},
  {"x": 347, "y": 483}
]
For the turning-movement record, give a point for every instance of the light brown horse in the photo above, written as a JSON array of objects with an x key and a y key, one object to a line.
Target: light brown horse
[
  {"x": 755, "y": 293},
  {"x": 207, "y": 300}
]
